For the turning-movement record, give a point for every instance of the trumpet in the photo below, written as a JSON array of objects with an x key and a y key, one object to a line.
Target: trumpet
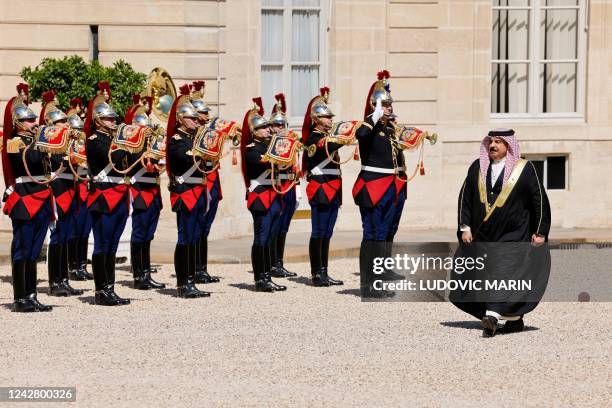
[
  {"x": 341, "y": 133},
  {"x": 410, "y": 138}
]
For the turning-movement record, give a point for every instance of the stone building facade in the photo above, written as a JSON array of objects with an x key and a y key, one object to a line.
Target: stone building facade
[{"x": 459, "y": 67}]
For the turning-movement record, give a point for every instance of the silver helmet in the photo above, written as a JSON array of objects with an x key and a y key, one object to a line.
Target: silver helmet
[
  {"x": 53, "y": 115},
  {"x": 104, "y": 110},
  {"x": 200, "y": 106},
  {"x": 75, "y": 122},
  {"x": 22, "y": 112}
]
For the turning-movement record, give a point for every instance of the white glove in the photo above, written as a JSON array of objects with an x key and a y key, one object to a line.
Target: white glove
[{"x": 378, "y": 112}]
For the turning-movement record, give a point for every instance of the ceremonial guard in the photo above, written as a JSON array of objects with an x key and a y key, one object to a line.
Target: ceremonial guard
[
  {"x": 381, "y": 183},
  {"x": 28, "y": 198},
  {"x": 213, "y": 190},
  {"x": 108, "y": 194},
  {"x": 324, "y": 189},
  {"x": 289, "y": 201},
  {"x": 65, "y": 204},
  {"x": 263, "y": 201},
  {"x": 145, "y": 196},
  {"x": 81, "y": 228},
  {"x": 187, "y": 191}
]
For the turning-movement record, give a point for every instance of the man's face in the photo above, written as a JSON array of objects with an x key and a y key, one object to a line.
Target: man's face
[
  {"x": 324, "y": 123},
  {"x": 62, "y": 123},
  {"x": 387, "y": 109},
  {"x": 109, "y": 122},
  {"x": 262, "y": 133},
  {"x": 498, "y": 148},
  {"x": 203, "y": 117},
  {"x": 190, "y": 124},
  {"x": 276, "y": 128},
  {"x": 29, "y": 125}
]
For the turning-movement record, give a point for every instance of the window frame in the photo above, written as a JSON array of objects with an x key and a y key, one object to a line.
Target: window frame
[
  {"x": 287, "y": 62},
  {"x": 534, "y": 62},
  {"x": 544, "y": 158}
]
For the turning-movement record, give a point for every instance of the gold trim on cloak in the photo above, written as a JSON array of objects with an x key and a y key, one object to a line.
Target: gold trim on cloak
[{"x": 506, "y": 190}]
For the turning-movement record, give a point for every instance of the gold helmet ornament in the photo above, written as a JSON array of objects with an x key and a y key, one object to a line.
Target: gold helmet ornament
[
  {"x": 279, "y": 111},
  {"x": 197, "y": 97}
]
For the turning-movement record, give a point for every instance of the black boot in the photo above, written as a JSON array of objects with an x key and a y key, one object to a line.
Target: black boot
[
  {"x": 21, "y": 301},
  {"x": 258, "y": 255},
  {"x": 103, "y": 266},
  {"x": 324, "y": 260},
  {"x": 279, "y": 270},
  {"x": 30, "y": 280},
  {"x": 184, "y": 280},
  {"x": 98, "y": 266},
  {"x": 389, "y": 274},
  {"x": 142, "y": 277},
  {"x": 64, "y": 273},
  {"x": 146, "y": 257},
  {"x": 202, "y": 275},
  {"x": 368, "y": 251},
  {"x": 319, "y": 278},
  {"x": 54, "y": 265},
  {"x": 82, "y": 261},
  {"x": 73, "y": 261},
  {"x": 268, "y": 269}
]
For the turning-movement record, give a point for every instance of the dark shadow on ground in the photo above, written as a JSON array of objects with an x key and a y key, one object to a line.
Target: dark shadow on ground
[
  {"x": 475, "y": 325},
  {"x": 353, "y": 292}
]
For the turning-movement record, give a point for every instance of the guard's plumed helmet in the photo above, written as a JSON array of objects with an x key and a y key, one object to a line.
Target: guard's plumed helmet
[
  {"x": 50, "y": 113},
  {"x": 75, "y": 122},
  {"x": 319, "y": 107},
  {"x": 381, "y": 89},
  {"x": 139, "y": 113},
  {"x": 197, "y": 97},
  {"x": 255, "y": 117},
  {"x": 279, "y": 111},
  {"x": 19, "y": 108},
  {"x": 99, "y": 108}
]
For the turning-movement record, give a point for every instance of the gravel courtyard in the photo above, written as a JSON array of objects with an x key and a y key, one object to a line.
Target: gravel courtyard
[{"x": 304, "y": 347}]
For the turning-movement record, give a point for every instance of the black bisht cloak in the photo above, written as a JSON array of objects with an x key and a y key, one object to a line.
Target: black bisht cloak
[{"x": 503, "y": 239}]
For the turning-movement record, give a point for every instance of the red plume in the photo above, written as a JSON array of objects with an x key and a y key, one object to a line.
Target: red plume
[
  {"x": 25, "y": 89},
  {"x": 281, "y": 98},
  {"x": 259, "y": 104},
  {"x": 76, "y": 102},
  {"x": 47, "y": 97},
  {"x": 384, "y": 74},
  {"x": 245, "y": 140},
  {"x": 7, "y": 170},
  {"x": 88, "y": 125},
  {"x": 136, "y": 98},
  {"x": 324, "y": 91},
  {"x": 103, "y": 86},
  {"x": 184, "y": 89},
  {"x": 198, "y": 85},
  {"x": 306, "y": 125},
  {"x": 368, "y": 109}
]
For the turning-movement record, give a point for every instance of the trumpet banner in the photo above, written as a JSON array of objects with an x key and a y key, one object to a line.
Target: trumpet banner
[
  {"x": 157, "y": 148},
  {"x": 224, "y": 127},
  {"x": 77, "y": 151},
  {"x": 344, "y": 132},
  {"x": 209, "y": 143},
  {"x": 409, "y": 137},
  {"x": 282, "y": 150},
  {"x": 131, "y": 137},
  {"x": 52, "y": 139}
]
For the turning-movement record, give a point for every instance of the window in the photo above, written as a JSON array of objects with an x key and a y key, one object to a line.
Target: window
[
  {"x": 292, "y": 53},
  {"x": 538, "y": 58},
  {"x": 552, "y": 171},
  {"x": 93, "y": 30}
]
